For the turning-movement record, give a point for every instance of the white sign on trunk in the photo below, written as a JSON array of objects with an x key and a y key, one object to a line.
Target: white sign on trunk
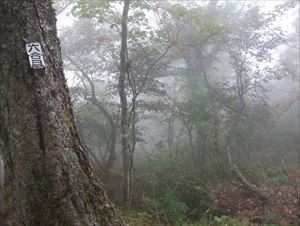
[{"x": 35, "y": 55}]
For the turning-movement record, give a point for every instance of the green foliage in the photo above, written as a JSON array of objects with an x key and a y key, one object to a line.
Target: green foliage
[
  {"x": 230, "y": 221},
  {"x": 137, "y": 218},
  {"x": 201, "y": 223},
  {"x": 279, "y": 180},
  {"x": 204, "y": 27},
  {"x": 272, "y": 219},
  {"x": 174, "y": 208},
  {"x": 145, "y": 4},
  {"x": 196, "y": 224},
  {"x": 93, "y": 126},
  {"x": 171, "y": 187},
  {"x": 98, "y": 9},
  {"x": 169, "y": 206},
  {"x": 105, "y": 11},
  {"x": 159, "y": 163},
  {"x": 144, "y": 216},
  {"x": 179, "y": 11},
  {"x": 180, "y": 179}
]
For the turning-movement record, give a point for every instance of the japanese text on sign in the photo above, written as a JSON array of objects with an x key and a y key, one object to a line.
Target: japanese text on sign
[{"x": 35, "y": 55}]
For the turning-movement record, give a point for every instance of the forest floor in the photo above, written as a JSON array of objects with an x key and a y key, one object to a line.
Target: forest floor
[
  {"x": 282, "y": 205},
  {"x": 234, "y": 206}
]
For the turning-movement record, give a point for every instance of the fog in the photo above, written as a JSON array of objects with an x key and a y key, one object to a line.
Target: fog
[
  {"x": 212, "y": 121},
  {"x": 212, "y": 89}
]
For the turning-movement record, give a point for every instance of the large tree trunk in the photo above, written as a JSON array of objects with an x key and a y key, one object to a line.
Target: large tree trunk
[{"x": 48, "y": 176}]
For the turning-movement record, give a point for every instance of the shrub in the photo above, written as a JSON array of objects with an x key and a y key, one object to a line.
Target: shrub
[
  {"x": 230, "y": 221},
  {"x": 168, "y": 209},
  {"x": 272, "y": 219},
  {"x": 174, "y": 208},
  {"x": 278, "y": 180}
]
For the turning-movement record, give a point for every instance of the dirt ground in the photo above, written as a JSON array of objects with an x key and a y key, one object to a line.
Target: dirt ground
[{"x": 282, "y": 204}]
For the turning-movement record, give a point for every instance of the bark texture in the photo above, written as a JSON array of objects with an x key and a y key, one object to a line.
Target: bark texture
[
  {"x": 127, "y": 170},
  {"x": 49, "y": 179}
]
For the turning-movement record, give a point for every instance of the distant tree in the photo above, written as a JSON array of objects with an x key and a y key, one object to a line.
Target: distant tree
[
  {"x": 48, "y": 176},
  {"x": 226, "y": 62},
  {"x": 124, "y": 67},
  {"x": 91, "y": 69},
  {"x": 140, "y": 59}
]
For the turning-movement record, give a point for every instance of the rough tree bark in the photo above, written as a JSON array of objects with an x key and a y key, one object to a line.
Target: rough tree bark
[
  {"x": 92, "y": 98},
  {"x": 48, "y": 176}
]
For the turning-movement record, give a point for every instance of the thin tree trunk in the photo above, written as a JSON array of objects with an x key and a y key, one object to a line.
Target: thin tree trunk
[
  {"x": 1, "y": 182},
  {"x": 124, "y": 105},
  {"x": 49, "y": 180},
  {"x": 247, "y": 185}
]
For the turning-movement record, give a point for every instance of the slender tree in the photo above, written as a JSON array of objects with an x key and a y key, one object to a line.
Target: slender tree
[
  {"x": 48, "y": 176},
  {"x": 127, "y": 160}
]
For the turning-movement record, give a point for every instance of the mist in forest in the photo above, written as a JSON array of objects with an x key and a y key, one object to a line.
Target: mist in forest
[{"x": 204, "y": 127}]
